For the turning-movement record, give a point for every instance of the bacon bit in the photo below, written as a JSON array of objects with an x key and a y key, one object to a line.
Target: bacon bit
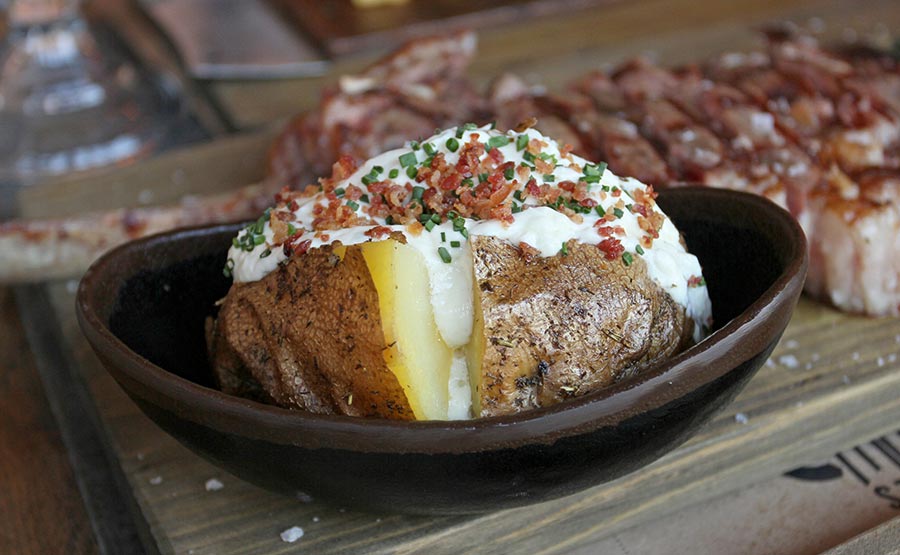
[
  {"x": 612, "y": 248},
  {"x": 616, "y": 192},
  {"x": 324, "y": 237},
  {"x": 535, "y": 146},
  {"x": 603, "y": 230},
  {"x": 566, "y": 153},
  {"x": 292, "y": 246},
  {"x": 353, "y": 192},
  {"x": 639, "y": 209},
  {"x": 496, "y": 156},
  {"x": 647, "y": 241},
  {"x": 528, "y": 252},
  {"x": 695, "y": 281},
  {"x": 377, "y": 232},
  {"x": 532, "y": 188},
  {"x": 543, "y": 166},
  {"x": 645, "y": 196},
  {"x": 567, "y": 186},
  {"x": 415, "y": 228},
  {"x": 525, "y": 125},
  {"x": 343, "y": 168},
  {"x": 279, "y": 227}
]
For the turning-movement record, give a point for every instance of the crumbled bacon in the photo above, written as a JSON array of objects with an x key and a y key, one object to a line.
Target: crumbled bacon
[
  {"x": 377, "y": 232},
  {"x": 612, "y": 248}
]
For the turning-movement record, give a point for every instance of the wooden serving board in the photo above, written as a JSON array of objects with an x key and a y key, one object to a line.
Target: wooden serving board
[
  {"x": 340, "y": 28},
  {"x": 834, "y": 380}
]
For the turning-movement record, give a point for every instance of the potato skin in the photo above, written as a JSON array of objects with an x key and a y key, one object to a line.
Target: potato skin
[
  {"x": 309, "y": 335},
  {"x": 563, "y": 326}
]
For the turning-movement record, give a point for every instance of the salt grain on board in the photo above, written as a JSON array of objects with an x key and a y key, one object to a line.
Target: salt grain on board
[
  {"x": 214, "y": 485},
  {"x": 789, "y": 361},
  {"x": 292, "y": 534},
  {"x": 156, "y": 480},
  {"x": 741, "y": 418},
  {"x": 880, "y": 361},
  {"x": 855, "y": 356},
  {"x": 791, "y": 344}
]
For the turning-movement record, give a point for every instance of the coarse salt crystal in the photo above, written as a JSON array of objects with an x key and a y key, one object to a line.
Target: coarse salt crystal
[
  {"x": 214, "y": 485},
  {"x": 845, "y": 378},
  {"x": 741, "y": 418},
  {"x": 292, "y": 534},
  {"x": 315, "y": 519},
  {"x": 156, "y": 480},
  {"x": 791, "y": 344},
  {"x": 770, "y": 363},
  {"x": 855, "y": 356},
  {"x": 892, "y": 357},
  {"x": 789, "y": 361},
  {"x": 880, "y": 361}
]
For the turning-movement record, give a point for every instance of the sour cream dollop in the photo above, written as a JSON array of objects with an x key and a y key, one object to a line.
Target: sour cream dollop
[{"x": 465, "y": 181}]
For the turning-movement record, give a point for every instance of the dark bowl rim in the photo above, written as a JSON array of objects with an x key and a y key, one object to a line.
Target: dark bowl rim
[{"x": 690, "y": 369}]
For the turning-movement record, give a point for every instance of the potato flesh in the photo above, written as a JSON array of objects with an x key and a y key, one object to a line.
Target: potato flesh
[{"x": 416, "y": 353}]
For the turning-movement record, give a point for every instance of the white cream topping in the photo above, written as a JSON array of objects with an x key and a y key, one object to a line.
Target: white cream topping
[{"x": 542, "y": 227}]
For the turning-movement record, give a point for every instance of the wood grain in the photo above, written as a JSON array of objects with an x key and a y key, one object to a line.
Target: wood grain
[
  {"x": 40, "y": 507},
  {"x": 833, "y": 381}
]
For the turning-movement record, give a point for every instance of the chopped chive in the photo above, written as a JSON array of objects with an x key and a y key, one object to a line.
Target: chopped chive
[
  {"x": 408, "y": 159},
  {"x": 601, "y": 168},
  {"x": 389, "y": 220},
  {"x": 454, "y": 244},
  {"x": 444, "y": 254},
  {"x": 259, "y": 239},
  {"x": 414, "y": 145},
  {"x": 494, "y": 124},
  {"x": 521, "y": 142},
  {"x": 265, "y": 253},
  {"x": 565, "y": 249},
  {"x": 417, "y": 192},
  {"x": 627, "y": 258},
  {"x": 377, "y": 169},
  {"x": 291, "y": 230},
  {"x": 443, "y": 237},
  {"x": 394, "y": 173},
  {"x": 459, "y": 132},
  {"x": 429, "y": 225},
  {"x": 496, "y": 142},
  {"x": 628, "y": 206},
  {"x": 235, "y": 243},
  {"x": 591, "y": 169},
  {"x": 364, "y": 198},
  {"x": 516, "y": 208},
  {"x": 452, "y": 144},
  {"x": 549, "y": 178},
  {"x": 467, "y": 182},
  {"x": 509, "y": 173},
  {"x": 436, "y": 218},
  {"x": 429, "y": 149},
  {"x": 470, "y": 126},
  {"x": 464, "y": 232},
  {"x": 412, "y": 172},
  {"x": 367, "y": 179},
  {"x": 600, "y": 211},
  {"x": 339, "y": 191},
  {"x": 639, "y": 249},
  {"x": 529, "y": 157},
  {"x": 618, "y": 212},
  {"x": 353, "y": 205},
  {"x": 591, "y": 178},
  {"x": 517, "y": 194},
  {"x": 482, "y": 177}
]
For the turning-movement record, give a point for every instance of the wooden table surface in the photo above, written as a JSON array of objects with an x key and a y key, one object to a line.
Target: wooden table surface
[{"x": 46, "y": 460}]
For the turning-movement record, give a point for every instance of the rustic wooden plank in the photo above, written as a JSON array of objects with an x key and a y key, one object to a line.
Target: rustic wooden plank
[
  {"x": 833, "y": 381},
  {"x": 553, "y": 50},
  {"x": 882, "y": 540},
  {"x": 225, "y": 164},
  {"x": 41, "y": 508}
]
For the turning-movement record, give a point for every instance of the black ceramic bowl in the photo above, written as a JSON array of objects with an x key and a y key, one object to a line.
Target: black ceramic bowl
[{"x": 143, "y": 306}]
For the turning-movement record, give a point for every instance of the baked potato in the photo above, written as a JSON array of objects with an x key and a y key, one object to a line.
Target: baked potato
[{"x": 434, "y": 301}]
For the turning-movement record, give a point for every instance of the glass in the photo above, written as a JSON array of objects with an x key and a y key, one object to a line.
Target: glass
[{"x": 70, "y": 100}]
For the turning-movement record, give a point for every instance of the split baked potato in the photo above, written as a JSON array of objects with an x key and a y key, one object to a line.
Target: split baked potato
[{"x": 350, "y": 330}]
